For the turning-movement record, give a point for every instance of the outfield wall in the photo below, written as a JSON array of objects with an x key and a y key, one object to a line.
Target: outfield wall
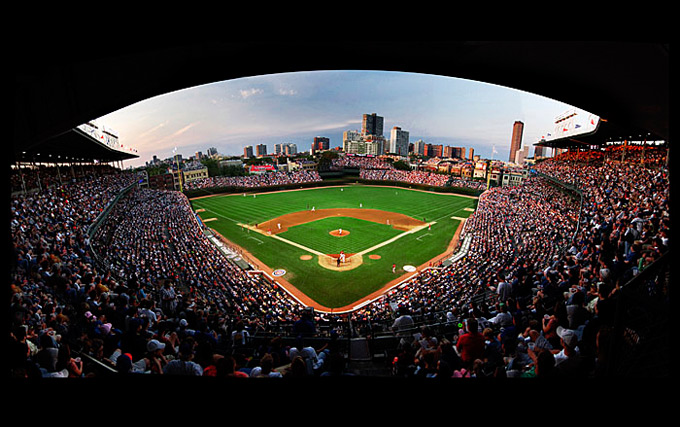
[{"x": 331, "y": 179}]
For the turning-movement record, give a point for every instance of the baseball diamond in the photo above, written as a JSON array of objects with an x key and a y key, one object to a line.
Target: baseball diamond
[{"x": 338, "y": 247}]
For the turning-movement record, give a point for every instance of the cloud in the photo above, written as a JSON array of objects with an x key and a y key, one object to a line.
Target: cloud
[
  {"x": 184, "y": 129},
  {"x": 287, "y": 92},
  {"x": 152, "y": 130},
  {"x": 247, "y": 93}
]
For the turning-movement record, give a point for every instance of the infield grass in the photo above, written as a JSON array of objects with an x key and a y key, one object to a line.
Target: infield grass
[
  {"x": 338, "y": 288},
  {"x": 359, "y": 234}
]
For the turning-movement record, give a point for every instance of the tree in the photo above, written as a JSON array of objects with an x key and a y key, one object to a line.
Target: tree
[
  {"x": 401, "y": 165},
  {"x": 212, "y": 165}
]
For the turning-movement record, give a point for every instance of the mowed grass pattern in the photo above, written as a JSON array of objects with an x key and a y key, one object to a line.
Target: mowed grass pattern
[
  {"x": 331, "y": 288},
  {"x": 359, "y": 234}
]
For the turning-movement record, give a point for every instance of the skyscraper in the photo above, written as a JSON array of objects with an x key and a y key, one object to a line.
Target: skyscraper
[
  {"x": 399, "y": 141},
  {"x": 261, "y": 150},
  {"x": 372, "y": 124},
  {"x": 248, "y": 151},
  {"x": 516, "y": 141}
]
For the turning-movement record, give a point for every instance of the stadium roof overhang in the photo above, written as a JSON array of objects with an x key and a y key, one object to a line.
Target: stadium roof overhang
[
  {"x": 59, "y": 85},
  {"x": 72, "y": 146},
  {"x": 604, "y": 133}
]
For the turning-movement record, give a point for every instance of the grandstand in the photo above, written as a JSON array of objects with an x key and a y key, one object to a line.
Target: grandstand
[{"x": 105, "y": 272}]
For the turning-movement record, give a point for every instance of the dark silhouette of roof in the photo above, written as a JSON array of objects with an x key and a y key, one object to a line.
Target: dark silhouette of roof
[{"x": 59, "y": 85}]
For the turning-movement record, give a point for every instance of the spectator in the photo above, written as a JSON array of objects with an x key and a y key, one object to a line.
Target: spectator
[
  {"x": 265, "y": 369},
  {"x": 226, "y": 367},
  {"x": 577, "y": 314},
  {"x": 426, "y": 366},
  {"x": 545, "y": 365},
  {"x": 403, "y": 326},
  {"x": 184, "y": 365},
  {"x": 305, "y": 324},
  {"x": 504, "y": 289},
  {"x": 297, "y": 368},
  {"x": 156, "y": 358},
  {"x": 168, "y": 299},
  {"x": 503, "y": 318},
  {"x": 74, "y": 366},
  {"x": 308, "y": 354},
  {"x": 47, "y": 355},
  {"x": 568, "y": 361},
  {"x": 471, "y": 343}
]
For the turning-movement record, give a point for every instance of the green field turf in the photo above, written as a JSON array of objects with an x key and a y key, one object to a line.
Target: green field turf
[
  {"x": 362, "y": 235},
  {"x": 333, "y": 288}
]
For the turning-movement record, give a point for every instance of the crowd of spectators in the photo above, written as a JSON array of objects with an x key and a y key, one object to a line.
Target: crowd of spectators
[
  {"x": 412, "y": 177},
  {"x": 52, "y": 265},
  {"x": 552, "y": 269},
  {"x": 30, "y": 178},
  {"x": 151, "y": 294},
  {"x": 360, "y": 162},
  {"x": 456, "y": 181},
  {"x": 256, "y": 180},
  {"x": 510, "y": 239}
]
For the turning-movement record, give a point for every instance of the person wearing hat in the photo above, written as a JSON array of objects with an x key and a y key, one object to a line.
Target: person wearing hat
[
  {"x": 124, "y": 364},
  {"x": 568, "y": 361},
  {"x": 156, "y": 358}
]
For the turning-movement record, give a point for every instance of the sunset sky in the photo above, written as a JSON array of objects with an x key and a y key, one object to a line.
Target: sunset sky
[{"x": 296, "y": 107}]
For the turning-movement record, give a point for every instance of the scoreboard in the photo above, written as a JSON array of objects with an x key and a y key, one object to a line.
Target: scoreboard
[{"x": 571, "y": 123}]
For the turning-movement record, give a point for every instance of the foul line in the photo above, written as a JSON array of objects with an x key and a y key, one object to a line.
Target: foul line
[
  {"x": 274, "y": 236},
  {"x": 399, "y": 236},
  {"x": 365, "y": 251}
]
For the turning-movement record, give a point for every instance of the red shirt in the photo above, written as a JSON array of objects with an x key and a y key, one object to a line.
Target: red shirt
[{"x": 471, "y": 346}]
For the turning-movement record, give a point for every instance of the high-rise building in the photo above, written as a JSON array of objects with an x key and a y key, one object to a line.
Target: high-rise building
[
  {"x": 399, "y": 141},
  {"x": 516, "y": 141},
  {"x": 419, "y": 147},
  {"x": 472, "y": 153},
  {"x": 261, "y": 150},
  {"x": 362, "y": 147},
  {"x": 372, "y": 124},
  {"x": 521, "y": 155},
  {"x": 432, "y": 150},
  {"x": 289, "y": 149},
  {"x": 248, "y": 151},
  {"x": 321, "y": 143},
  {"x": 454, "y": 152}
]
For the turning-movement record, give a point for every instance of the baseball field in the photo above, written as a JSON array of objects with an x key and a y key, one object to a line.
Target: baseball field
[{"x": 335, "y": 246}]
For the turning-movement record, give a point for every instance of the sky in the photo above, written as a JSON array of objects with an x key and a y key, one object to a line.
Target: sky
[{"x": 296, "y": 107}]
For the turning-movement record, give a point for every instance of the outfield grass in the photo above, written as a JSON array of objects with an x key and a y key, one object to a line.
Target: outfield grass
[{"x": 333, "y": 288}]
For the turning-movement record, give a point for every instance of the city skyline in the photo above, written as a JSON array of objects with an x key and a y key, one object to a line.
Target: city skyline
[{"x": 297, "y": 107}]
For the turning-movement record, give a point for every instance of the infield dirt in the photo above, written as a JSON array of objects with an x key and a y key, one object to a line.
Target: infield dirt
[{"x": 281, "y": 223}]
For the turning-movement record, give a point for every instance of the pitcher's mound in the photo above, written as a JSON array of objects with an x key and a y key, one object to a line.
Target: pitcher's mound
[{"x": 336, "y": 233}]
